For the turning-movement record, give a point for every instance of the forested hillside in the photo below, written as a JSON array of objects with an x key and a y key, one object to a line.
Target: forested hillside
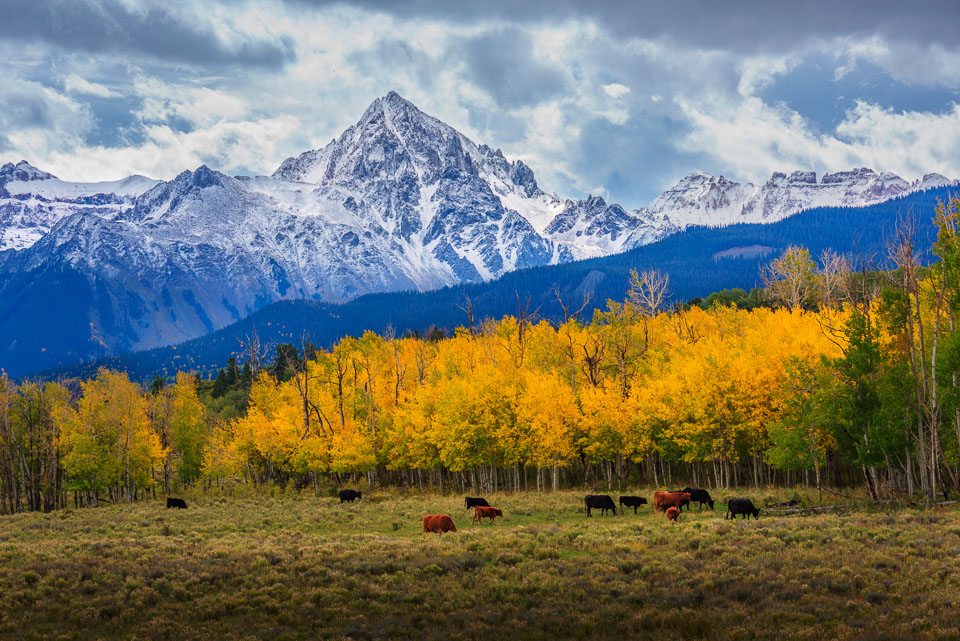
[
  {"x": 698, "y": 262},
  {"x": 851, "y": 377}
]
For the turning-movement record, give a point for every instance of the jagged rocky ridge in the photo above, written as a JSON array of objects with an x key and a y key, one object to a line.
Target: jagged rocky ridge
[
  {"x": 33, "y": 201},
  {"x": 399, "y": 201}
]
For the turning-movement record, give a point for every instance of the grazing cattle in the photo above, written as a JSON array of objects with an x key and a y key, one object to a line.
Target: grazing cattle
[
  {"x": 741, "y": 506},
  {"x": 474, "y": 502},
  {"x": 180, "y": 503},
  {"x": 632, "y": 501},
  {"x": 350, "y": 495},
  {"x": 673, "y": 514},
  {"x": 600, "y": 502},
  {"x": 438, "y": 523},
  {"x": 699, "y": 496},
  {"x": 663, "y": 500},
  {"x": 480, "y": 512}
]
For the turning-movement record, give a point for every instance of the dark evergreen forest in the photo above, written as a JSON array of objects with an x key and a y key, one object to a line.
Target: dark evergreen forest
[{"x": 699, "y": 261}]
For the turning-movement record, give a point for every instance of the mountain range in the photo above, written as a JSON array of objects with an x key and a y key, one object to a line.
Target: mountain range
[
  {"x": 698, "y": 262},
  {"x": 399, "y": 201}
]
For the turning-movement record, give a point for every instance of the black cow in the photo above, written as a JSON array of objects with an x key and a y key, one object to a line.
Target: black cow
[
  {"x": 741, "y": 506},
  {"x": 699, "y": 496},
  {"x": 350, "y": 495},
  {"x": 632, "y": 501},
  {"x": 476, "y": 502},
  {"x": 180, "y": 503},
  {"x": 600, "y": 502}
]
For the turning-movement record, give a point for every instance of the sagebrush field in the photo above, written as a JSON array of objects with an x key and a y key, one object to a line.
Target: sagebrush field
[{"x": 307, "y": 567}]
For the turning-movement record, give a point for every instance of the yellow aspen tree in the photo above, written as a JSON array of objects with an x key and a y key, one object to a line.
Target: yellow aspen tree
[{"x": 549, "y": 410}]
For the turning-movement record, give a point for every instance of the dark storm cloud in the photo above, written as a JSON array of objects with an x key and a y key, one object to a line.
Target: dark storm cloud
[
  {"x": 19, "y": 109},
  {"x": 117, "y": 124},
  {"x": 813, "y": 90},
  {"x": 501, "y": 61},
  {"x": 394, "y": 53},
  {"x": 615, "y": 96},
  {"x": 736, "y": 25},
  {"x": 635, "y": 159},
  {"x": 112, "y": 26},
  {"x": 509, "y": 127}
]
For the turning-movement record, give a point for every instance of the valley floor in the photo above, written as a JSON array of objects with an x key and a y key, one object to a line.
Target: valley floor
[{"x": 306, "y": 567}]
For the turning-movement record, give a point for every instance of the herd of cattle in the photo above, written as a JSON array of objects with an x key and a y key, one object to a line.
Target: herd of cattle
[{"x": 670, "y": 503}]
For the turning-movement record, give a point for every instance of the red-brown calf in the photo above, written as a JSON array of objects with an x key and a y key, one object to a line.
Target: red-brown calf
[
  {"x": 479, "y": 513},
  {"x": 663, "y": 500},
  {"x": 438, "y": 523}
]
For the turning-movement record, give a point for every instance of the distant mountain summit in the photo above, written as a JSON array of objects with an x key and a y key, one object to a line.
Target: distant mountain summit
[
  {"x": 702, "y": 199},
  {"x": 399, "y": 201},
  {"x": 453, "y": 210},
  {"x": 33, "y": 201}
]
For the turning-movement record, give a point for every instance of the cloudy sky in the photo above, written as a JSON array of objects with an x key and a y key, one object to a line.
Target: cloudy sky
[{"x": 614, "y": 98}]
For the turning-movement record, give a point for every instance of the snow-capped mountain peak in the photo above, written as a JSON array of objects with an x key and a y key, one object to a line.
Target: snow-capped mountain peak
[
  {"x": 32, "y": 201},
  {"x": 702, "y": 199},
  {"x": 933, "y": 181},
  {"x": 399, "y": 200},
  {"x": 22, "y": 171}
]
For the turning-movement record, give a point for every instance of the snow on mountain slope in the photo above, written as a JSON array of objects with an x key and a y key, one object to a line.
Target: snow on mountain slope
[
  {"x": 398, "y": 201},
  {"x": 933, "y": 181},
  {"x": 33, "y": 201},
  {"x": 462, "y": 209},
  {"x": 702, "y": 199}
]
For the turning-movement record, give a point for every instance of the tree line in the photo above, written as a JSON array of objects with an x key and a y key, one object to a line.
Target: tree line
[
  {"x": 834, "y": 374},
  {"x": 690, "y": 258}
]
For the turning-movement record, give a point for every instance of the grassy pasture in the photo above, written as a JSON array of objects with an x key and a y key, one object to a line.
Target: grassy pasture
[{"x": 305, "y": 567}]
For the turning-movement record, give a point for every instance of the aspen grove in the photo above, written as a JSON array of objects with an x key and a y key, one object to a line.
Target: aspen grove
[{"x": 849, "y": 376}]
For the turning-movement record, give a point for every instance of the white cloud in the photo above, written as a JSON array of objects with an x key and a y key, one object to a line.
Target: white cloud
[
  {"x": 200, "y": 106},
  {"x": 616, "y": 90},
  {"x": 910, "y": 142},
  {"x": 701, "y": 103},
  {"x": 759, "y": 71},
  {"x": 230, "y": 147},
  {"x": 908, "y": 62},
  {"x": 36, "y": 118},
  {"x": 753, "y": 139},
  {"x": 75, "y": 84}
]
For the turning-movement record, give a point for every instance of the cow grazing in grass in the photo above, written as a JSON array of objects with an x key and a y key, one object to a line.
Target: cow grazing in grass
[
  {"x": 438, "y": 523},
  {"x": 699, "y": 496},
  {"x": 741, "y": 506},
  {"x": 663, "y": 500},
  {"x": 480, "y": 512},
  {"x": 673, "y": 514},
  {"x": 600, "y": 502},
  {"x": 474, "y": 502},
  {"x": 350, "y": 495},
  {"x": 632, "y": 501},
  {"x": 180, "y": 503}
]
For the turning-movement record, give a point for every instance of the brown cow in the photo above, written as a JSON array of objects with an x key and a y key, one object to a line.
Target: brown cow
[
  {"x": 438, "y": 523},
  {"x": 672, "y": 514},
  {"x": 663, "y": 500},
  {"x": 479, "y": 513}
]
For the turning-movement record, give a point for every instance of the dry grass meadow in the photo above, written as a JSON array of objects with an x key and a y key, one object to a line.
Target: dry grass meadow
[{"x": 304, "y": 567}]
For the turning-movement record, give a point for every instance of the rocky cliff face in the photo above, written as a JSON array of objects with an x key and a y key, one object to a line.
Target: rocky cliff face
[{"x": 33, "y": 201}]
